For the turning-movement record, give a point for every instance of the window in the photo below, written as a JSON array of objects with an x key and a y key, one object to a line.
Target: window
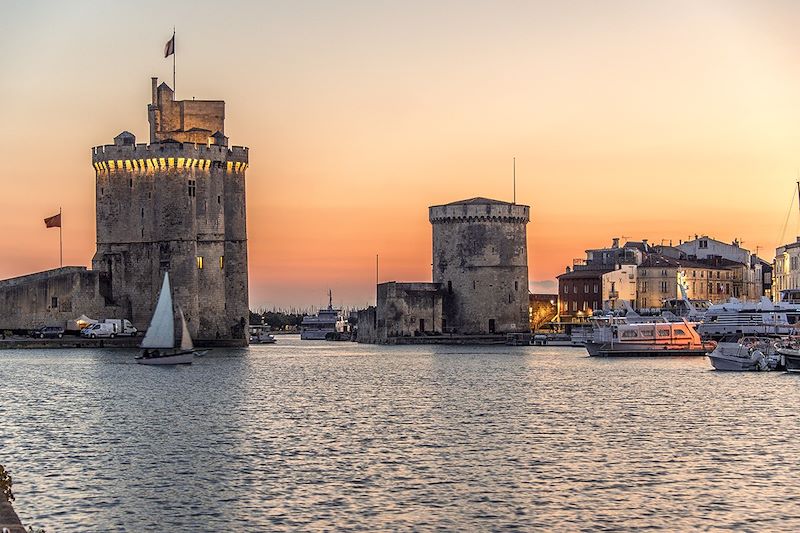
[
  {"x": 663, "y": 271},
  {"x": 221, "y": 262},
  {"x": 130, "y": 183},
  {"x": 473, "y": 284},
  {"x": 703, "y": 244},
  {"x": 574, "y": 305},
  {"x": 664, "y": 286},
  {"x": 54, "y": 302},
  {"x": 629, "y": 334},
  {"x": 200, "y": 262},
  {"x": 575, "y": 289},
  {"x": 219, "y": 199},
  {"x": 163, "y": 265},
  {"x": 586, "y": 288},
  {"x": 663, "y": 332},
  {"x": 566, "y": 289},
  {"x": 516, "y": 285},
  {"x": 585, "y": 306},
  {"x": 450, "y": 287},
  {"x": 192, "y": 188},
  {"x": 509, "y": 298},
  {"x": 647, "y": 332},
  {"x": 595, "y": 288},
  {"x": 679, "y": 331},
  {"x": 143, "y": 212}
]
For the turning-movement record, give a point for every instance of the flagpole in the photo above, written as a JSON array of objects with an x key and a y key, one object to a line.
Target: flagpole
[
  {"x": 174, "y": 53},
  {"x": 60, "y": 239}
]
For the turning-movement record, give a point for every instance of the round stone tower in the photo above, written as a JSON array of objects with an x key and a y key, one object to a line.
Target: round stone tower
[
  {"x": 480, "y": 257},
  {"x": 176, "y": 205}
]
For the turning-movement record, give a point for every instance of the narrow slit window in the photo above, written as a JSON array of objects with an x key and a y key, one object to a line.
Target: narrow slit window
[
  {"x": 200, "y": 262},
  {"x": 221, "y": 261}
]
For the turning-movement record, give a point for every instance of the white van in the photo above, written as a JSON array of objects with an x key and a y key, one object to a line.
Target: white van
[
  {"x": 122, "y": 327},
  {"x": 99, "y": 330}
]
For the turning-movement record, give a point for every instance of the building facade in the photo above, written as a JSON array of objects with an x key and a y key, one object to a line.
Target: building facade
[
  {"x": 786, "y": 273},
  {"x": 176, "y": 205}
]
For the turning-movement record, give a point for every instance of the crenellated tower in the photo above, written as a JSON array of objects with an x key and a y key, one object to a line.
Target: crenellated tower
[
  {"x": 480, "y": 258},
  {"x": 178, "y": 205}
]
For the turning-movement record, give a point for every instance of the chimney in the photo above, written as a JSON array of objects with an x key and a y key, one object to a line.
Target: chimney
[
  {"x": 154, "y": 89},
  {"x": 615, "y": 242}
]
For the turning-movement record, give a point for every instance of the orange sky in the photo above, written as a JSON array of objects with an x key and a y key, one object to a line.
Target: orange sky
[{"x": 641, "y": 119}]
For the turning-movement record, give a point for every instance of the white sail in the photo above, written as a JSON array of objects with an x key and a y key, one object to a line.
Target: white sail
[
  {"x": 161, "y": 333},
  {"x": 186, "y": 339}
]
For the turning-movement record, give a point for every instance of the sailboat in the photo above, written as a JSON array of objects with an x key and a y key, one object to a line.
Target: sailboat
[{"x": 159, "y": 341}]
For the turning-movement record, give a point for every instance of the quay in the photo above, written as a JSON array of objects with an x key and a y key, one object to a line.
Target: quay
[{"x": 14, "y": 343}]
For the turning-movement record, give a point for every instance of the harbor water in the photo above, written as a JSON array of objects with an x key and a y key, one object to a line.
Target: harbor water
[{"x": 305, "y": 435}]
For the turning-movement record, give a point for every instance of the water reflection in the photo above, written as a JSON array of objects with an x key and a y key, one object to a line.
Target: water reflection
[{"x": 335, "y": 435}]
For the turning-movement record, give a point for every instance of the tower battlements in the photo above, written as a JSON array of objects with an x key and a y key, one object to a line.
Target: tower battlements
[
  {"x": 194, "y": 151},
  {"x": 479, "y": 210}
]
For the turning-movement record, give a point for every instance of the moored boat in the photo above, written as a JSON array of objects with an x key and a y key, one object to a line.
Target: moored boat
[
  {"x": 745, "y": 354},
  {"x": 645, "y": 339},
  {"x": 327, "y": 324}
]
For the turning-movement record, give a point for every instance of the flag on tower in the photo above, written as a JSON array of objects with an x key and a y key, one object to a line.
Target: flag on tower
[
  {"x": 169, "y": 49},
  {"x": 53, "y": 221}
]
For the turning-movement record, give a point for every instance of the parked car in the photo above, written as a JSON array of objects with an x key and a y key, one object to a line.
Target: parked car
[
  {"x": 99, "y": 330},
  {"x": 48, "y": 332}
]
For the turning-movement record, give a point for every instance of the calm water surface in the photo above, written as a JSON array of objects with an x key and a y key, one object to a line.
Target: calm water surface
[{"x": 304, "y": 435}]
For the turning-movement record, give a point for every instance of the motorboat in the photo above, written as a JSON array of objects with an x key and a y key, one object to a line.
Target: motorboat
[
  {"x": 159, "y": 342},
  {"x": 644, "y": 339},
  {"x": 789, "y": 349},
  {"x": 261, "y": 335},
  {"x": 745, "y": 354}
]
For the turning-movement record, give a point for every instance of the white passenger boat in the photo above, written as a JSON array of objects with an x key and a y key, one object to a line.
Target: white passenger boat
[
  {"x": 327, "y": 324},
  {"x": 159, "y": 341},
  {"x": 762, "y": 318},
  {"x": 746, "y": 354},
  {"x": 644, "y": 339}
]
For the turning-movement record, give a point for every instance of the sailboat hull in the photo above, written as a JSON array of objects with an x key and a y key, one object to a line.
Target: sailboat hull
[{"x": 180, "y": 358}]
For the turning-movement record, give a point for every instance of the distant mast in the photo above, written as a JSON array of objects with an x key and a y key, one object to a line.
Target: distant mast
[
  {"x": 330, "y": 299},
  {"x": 514, "y": 173}
]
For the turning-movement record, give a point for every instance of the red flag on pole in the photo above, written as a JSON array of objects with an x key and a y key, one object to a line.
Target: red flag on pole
[{"x": 53, "y": 221}]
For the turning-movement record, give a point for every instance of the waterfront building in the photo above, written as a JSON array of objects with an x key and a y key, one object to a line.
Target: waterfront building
[
  {"x": 749, "y": 268},
  {"x": 786, "y": 273},
  {"x": 605, "y": 279},
  {"x": 579, "y": 293},
  {"x": 658, "y": 278},
  {"x": 176, "y": 204}
]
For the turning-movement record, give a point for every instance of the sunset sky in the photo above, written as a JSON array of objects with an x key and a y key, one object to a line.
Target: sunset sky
[{"x": 653, "y": 120}]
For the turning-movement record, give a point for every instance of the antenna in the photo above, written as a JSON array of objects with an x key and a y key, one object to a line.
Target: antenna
[{"x": 514, "y": 201}]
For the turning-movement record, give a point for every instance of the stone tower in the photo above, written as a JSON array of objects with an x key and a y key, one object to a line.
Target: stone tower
[
  {"x": 178, "y": 205},
  {"x": 480, "y": 257}
]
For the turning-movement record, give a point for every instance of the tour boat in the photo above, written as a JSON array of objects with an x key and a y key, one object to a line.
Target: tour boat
[
  {"x": 650, "y": 338},
  {"x": 746, "y": 354},
  {"x": 327, "y": 324},
  {"x": 159, "y": 341}
]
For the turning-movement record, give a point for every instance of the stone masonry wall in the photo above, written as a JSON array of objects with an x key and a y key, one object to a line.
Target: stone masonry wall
[
  {"x": 27, "y": 302},
  {"x": 480, "y": 258}
]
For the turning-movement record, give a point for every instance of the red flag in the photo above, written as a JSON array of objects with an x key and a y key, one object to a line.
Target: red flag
[
  {"x": 169, "y": 49},
  {"x": 53, "y": 221}
]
